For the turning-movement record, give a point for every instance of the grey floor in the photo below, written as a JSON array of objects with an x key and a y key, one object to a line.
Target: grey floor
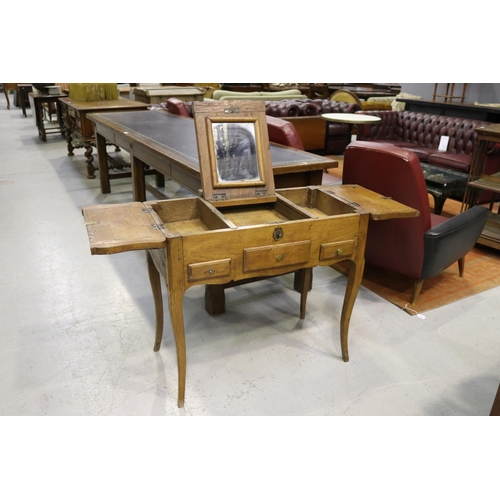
[{"x": 76, "y": 330}]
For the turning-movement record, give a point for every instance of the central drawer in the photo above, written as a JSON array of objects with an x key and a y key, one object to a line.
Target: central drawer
[{"x": 274, "y": 256}]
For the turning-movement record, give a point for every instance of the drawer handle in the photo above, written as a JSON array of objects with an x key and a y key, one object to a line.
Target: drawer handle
[
  {"x": 210, "y": 271},
  {"x": 340, "y": 251},
  {"x": 279, "y": 257}
]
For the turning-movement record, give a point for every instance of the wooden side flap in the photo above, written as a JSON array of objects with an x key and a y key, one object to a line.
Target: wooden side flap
[
  {"x": 121, "y": 228},
  {"x": 380, "y": 207}
]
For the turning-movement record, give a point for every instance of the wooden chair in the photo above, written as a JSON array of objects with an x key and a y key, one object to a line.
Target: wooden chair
[{"x": 345, "y": 96}]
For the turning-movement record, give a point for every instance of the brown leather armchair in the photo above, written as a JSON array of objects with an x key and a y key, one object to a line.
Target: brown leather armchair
[{"x": 421, "y": 247}]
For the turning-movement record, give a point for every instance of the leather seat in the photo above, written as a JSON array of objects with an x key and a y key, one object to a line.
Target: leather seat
[{"x": 421, "y": 247}]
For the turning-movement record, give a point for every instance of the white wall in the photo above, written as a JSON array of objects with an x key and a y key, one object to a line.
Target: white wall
[{"x": 480, "y": 92}]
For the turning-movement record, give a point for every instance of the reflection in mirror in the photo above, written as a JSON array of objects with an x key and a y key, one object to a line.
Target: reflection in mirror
[{"x": 235, "y": 152}]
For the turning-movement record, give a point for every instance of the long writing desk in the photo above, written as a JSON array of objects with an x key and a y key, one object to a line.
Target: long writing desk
[{"x": 167, "y": 143}]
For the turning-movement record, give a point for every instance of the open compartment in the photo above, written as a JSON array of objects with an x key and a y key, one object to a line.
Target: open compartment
[
  {"x": 316, "y": 202},
  {"x": 275, "y": 212},
  {"x": 186, "y": 216}
]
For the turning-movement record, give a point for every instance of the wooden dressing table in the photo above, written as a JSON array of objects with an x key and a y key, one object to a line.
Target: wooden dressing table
[{"x": 241, "y": 228}]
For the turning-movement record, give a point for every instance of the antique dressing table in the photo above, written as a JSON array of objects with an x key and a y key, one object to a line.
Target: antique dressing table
[{"x": 240, "y": 227}]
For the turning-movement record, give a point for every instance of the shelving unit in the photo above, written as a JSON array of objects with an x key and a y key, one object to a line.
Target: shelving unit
[
  {"x": 479, "y": 182},
  {"x": 449, "y": 94}
]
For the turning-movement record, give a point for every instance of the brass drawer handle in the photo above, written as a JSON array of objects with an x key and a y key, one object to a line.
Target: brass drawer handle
[
  {"x": 279, "y": 257},
  {"x": 340, "y": 251}
]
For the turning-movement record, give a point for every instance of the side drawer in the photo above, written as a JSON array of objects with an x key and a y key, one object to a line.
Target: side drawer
[
  {"x": 337, "y": 249},
  {"x": 275, "y": 256},
  {"x": 209, "y": 269}
]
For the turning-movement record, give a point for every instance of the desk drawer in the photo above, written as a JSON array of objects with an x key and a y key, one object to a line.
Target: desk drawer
[
  {"x": 209, "y": 269},
  {"x": 275, "y": 256},
  {"x": 337, "y": 249}
]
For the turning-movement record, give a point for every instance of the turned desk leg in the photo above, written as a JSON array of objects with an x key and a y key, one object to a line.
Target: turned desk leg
[
  {"x": 69, "y": 141},
  {"x": 90, "y": 160}
]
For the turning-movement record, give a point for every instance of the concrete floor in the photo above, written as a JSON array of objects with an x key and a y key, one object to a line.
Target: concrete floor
[{"x": 76, "y": 331}]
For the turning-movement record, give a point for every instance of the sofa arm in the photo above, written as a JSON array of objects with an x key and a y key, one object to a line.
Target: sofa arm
[{"x": 451, "y": 240}]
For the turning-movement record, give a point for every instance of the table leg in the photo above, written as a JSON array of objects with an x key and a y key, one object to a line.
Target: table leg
[
  {"x": 438, "y": 203},
  {"x": 60, "y": 119},
  {"x": 175, "y": 280},
  {"x": 102, "y": 158},
  {"x": 6, "y": 92},
  {"x": 155, "y": 280},
  {"x": 353, "y": 283},
  {"x": 22, "y": 98},
  {"x": 90, "y": 159},
  {"x": 69, "y": 141},
  {"x": 39, "y": 121},
  {"x": 305, "y": 283},
  {"x": 138, "y": 178}
]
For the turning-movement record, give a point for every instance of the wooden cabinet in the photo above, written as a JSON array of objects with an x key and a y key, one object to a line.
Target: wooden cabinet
[{"x": 479, "y": 182}]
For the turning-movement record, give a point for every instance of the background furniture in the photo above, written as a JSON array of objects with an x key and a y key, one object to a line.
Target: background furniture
[
  {"x": 38, "y": 103},
  {"x": 79, "y": 130},
  {"x": 219, "y": 95},
  {"x": 449, "y": 93},
  {"x": 317, "y": 135},
  {"x": 350, "y": 119},
  {"x": 167, "y": 143},
  {"x": 470, "y": 111},
  {"x": 481, "y": 184},
  {"x": 24, "y": 90},
  {"x": 418, "y": 248},
  {"x": 443, "y": 183},
  {"x": 158, "y": 94},
  {"x": 279, "y": 131},
  {"x": 345, "y": 96},
  {"x": 9, "y": 87},
  {"x": 422, "y": 132}
]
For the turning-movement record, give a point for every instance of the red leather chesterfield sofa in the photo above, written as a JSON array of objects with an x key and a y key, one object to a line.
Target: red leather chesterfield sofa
[
  {"x": 421, "y": 133},
  {"x": 318, "y": 135}
]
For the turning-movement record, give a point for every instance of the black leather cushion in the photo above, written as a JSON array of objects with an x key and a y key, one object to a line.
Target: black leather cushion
[{"x": 445, "y": 243}]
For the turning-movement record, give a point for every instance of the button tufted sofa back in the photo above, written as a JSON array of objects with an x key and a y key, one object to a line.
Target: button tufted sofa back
[
  {"x": 423, "y": 129},
  {"x": 308, "y": 107}
]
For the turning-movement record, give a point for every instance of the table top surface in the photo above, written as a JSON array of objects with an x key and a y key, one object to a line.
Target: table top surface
[
  {"x": 443, "y": 176},
  {"x": 175, "y": 136},
  {"x": 41, "y": 96},
  {"x": 491, "y": 129},
  {"x": 120, "y": 103},
  {"x": 350, "y": 118}
]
